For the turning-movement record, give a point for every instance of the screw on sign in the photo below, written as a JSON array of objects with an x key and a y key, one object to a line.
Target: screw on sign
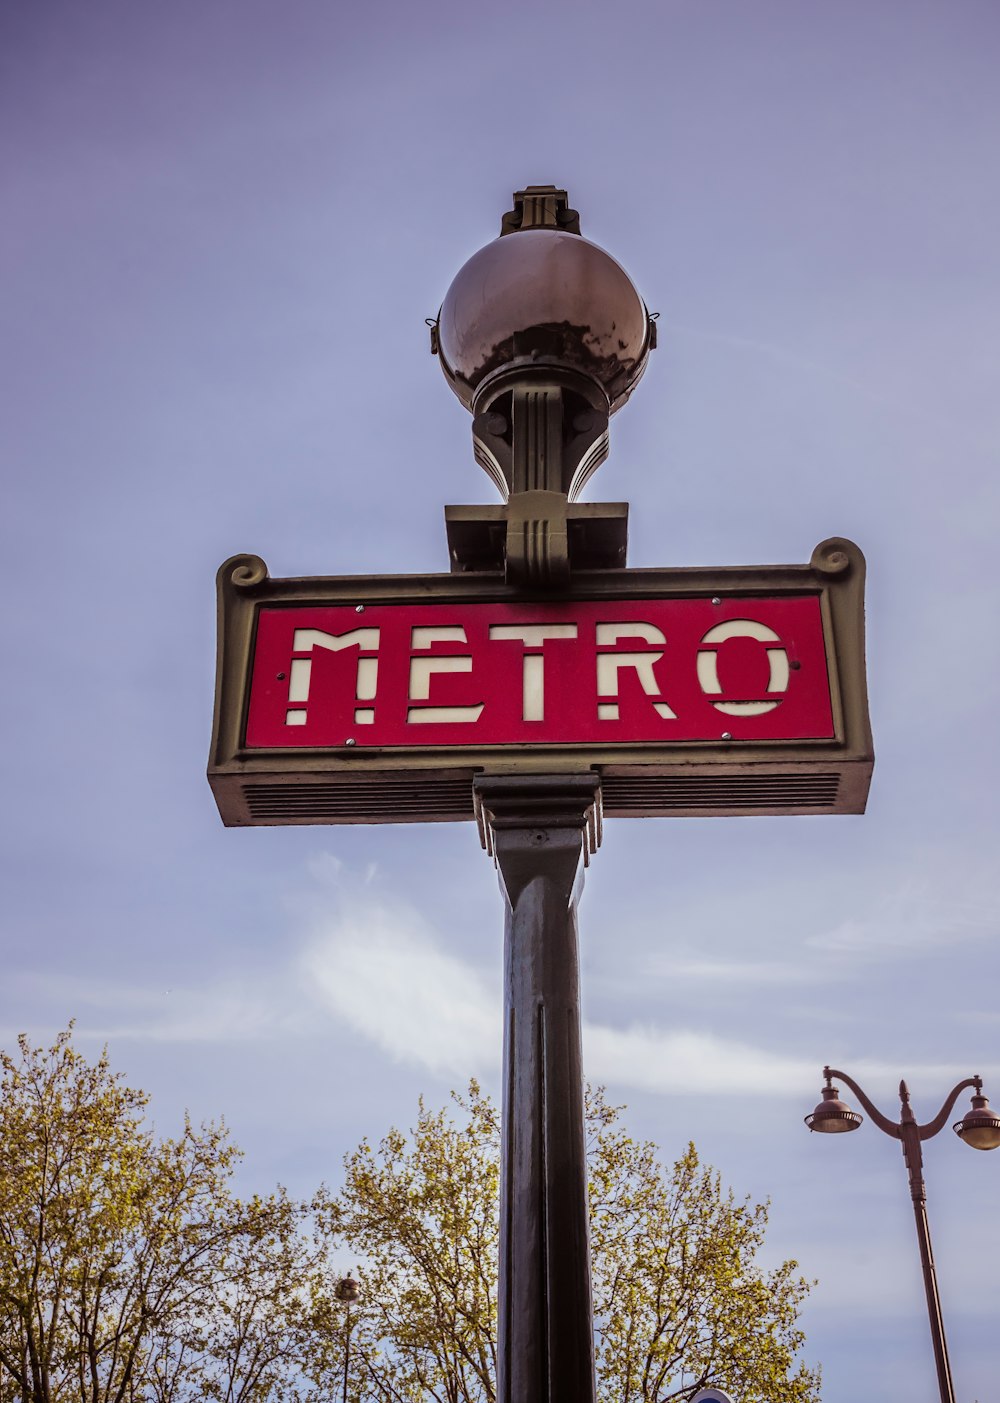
[{"x": 536, "y": 688}]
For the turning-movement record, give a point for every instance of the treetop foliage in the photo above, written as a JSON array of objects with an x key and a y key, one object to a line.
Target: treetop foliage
[{"x": 130, "y": 1272}]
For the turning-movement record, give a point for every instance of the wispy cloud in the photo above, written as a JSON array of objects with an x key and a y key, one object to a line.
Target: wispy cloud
[
  {"x": 382, "y": 973},
  {"x": 229, "y": 1011},
  {"x": 919, "y": 915},
  {"x": 379, "y": 967},
  {"x": 379, "y": 970},
  {"x": 940, "y": 901},
  {"x": 372, "y": 964},
  {"x": 687, "y": 1063},
  {"x": 698, "y": 970}
]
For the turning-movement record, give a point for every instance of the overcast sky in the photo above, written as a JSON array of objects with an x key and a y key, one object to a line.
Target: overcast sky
[{"x": 224, "y": 224}]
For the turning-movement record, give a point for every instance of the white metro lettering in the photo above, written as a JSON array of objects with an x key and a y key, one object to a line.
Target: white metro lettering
[
  {"x": 304, "y": 640},
  {"x": 534, "y": 637},
  {"x": 422, "y": 669},
  {"x": 604, "y": 679},
  {"x": 708, "y": 665},
  {"x": 610, "y": 664}
]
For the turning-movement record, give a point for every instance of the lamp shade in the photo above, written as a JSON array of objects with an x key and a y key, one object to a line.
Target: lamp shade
[
  {"x": 979, "y": 1127},
  {"x": 832, "y": 1116}
]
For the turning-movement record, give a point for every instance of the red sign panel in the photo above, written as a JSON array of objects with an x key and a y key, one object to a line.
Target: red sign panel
[{"x": 651, "y": 670}]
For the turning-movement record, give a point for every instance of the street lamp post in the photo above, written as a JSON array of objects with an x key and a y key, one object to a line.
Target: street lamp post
[
  {"x": 979, "y": 1127},
  {"x": 346, "y": 1291},
  {"x": 537, "y": 686}
]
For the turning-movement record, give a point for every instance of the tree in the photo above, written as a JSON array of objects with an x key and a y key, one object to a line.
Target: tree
[
  {"x": 265, "y": 1322},
  {"x": 128, "y": 1270},
  {"x": 424, "y": 1217},
  {"x": 131, "y": 1273},
  {"x": 680, "y": 1300}
]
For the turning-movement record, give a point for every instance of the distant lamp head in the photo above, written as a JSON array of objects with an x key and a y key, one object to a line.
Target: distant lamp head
[
  {"x": 832, "y": 1116},
  {"x": 347, "y": 1290},
  {"x": 979, "y": 1127}
]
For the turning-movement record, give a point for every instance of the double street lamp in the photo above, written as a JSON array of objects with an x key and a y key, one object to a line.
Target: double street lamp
[{"x": 979, "y": 1127}]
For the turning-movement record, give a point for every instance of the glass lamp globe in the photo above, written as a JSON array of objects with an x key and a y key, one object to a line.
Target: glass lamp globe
[
  {"x": 347, "y": 1290},
  {"x": 542, "y": 299}
]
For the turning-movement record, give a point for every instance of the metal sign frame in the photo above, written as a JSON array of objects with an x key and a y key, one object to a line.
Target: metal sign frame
[{"x": 427, "y": 783}]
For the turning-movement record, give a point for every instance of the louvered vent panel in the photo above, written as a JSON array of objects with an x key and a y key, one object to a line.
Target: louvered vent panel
[
  {"x": 387, "y": 799},
  {"x": 664, "y": 794},
  {"x": 375, "y": 799}
]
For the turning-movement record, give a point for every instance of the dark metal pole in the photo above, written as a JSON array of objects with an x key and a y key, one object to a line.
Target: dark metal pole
[
  {"x": 912, "y": 1154},
  {"x": 347, "y": 1349},
  {"x": 540, "y": 831},
  {"x": 346, "y": 1291}
]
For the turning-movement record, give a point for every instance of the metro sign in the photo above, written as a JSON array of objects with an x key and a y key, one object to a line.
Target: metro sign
[
  {"x": 373, "y": 699},
  {"x": 580, "y": 672}
]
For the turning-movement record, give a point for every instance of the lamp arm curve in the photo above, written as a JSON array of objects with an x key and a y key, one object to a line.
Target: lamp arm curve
[
  {"x": 890, "y": 1127},
  {"x": 933, "y": 1126}
]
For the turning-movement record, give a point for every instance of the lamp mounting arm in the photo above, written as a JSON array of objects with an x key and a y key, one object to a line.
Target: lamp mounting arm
[
  {"x": 933, "y": 1126},
  {"x": 883, "y": 1122}
]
